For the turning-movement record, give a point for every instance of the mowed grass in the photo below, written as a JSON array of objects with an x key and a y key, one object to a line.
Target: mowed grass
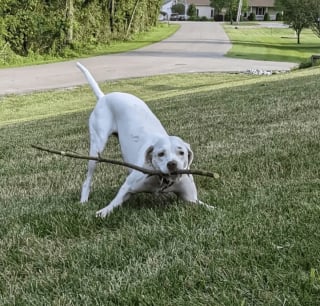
[
  {"x": 271, "y": 44},
  {"x": 260, "y": 246}
]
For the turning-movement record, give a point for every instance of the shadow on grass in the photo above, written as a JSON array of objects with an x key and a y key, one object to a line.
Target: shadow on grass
[{"x": 65, "y": 218}]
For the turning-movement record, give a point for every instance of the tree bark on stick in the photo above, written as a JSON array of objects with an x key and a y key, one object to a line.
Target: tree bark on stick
[{"x": 128, "y": 165}]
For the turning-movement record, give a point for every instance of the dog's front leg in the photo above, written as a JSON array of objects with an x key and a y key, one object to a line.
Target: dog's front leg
[
  {"x": 122, "y": 195},
  {"x": 133, "y": 184},
  {"x": 187, "y": 191}
]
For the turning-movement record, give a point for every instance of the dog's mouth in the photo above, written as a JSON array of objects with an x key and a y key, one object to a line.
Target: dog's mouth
[
  {"x": 167, "y": 181},
  {"x": 172, "y": 177}
]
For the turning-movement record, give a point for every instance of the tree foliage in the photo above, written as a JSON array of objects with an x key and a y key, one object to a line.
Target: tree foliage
[
  {"x": 192, "y": 10},
  {"x": 178, "y": 8},
  {"x": 315, "y": 22},
  {"x": 297, "y": 13},
  {"x": 231, "y": 7},
  {"x": 54, "y": 26}
]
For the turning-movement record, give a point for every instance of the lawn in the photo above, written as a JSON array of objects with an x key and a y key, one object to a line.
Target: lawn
[
  {"x": 272, "y": 44},
  {"x": 260, "y": 246}
]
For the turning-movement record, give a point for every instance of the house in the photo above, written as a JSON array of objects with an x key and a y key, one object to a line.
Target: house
[
  {"x": 166, "y": 7},
  {"x": 261, "y": 7},
  {"x": 203, "y": 7}
]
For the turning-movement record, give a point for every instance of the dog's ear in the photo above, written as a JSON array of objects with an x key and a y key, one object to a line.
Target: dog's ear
[
  {"x": 190, "y": 154},
  {"x": 148, "y": 156}
]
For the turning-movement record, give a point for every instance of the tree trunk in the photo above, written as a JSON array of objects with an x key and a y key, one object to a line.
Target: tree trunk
[
  {"x": 70, "y": 19},
  {"x": 298, "y": 36},
  {"x": 131, "y": 19},
  {"x": 112, "y": 16}
]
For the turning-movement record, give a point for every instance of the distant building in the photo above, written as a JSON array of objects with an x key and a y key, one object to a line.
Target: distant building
[
  {"x": 203, "y": 7},
  {"x": 261, "y": 7},
  {"x": 258, "y": 7}
]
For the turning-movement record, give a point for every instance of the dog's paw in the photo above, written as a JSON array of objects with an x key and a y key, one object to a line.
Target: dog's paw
[
  {"x": 209, "y": 207},
  {"x": 84, "y": 199},
  {"x": 102, "y": 213},
  {"x": 206, "y": 205}
]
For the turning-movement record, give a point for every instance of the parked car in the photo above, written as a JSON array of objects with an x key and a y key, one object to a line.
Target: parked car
[{"x": 174, "y": 17}]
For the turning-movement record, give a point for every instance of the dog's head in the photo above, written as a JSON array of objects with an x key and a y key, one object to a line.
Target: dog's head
[{"x": 169, "y": 155}]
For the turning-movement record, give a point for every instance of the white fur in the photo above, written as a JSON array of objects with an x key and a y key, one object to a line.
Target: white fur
[{"x": 143, "y": 141}]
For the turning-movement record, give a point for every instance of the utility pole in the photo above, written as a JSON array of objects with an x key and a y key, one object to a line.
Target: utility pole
[{"x": 239, "y": 11}]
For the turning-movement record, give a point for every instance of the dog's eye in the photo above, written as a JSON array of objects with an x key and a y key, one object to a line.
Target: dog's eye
[
  {"x": 161, "y": 154},
  {"x": 181, "y": 153}
]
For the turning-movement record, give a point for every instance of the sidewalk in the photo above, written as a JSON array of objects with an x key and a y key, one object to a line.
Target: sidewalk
[{"x": 196, "y": 47}]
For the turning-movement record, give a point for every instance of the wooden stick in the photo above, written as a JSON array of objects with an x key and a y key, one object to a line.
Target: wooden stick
[{"x": 128, "y": 165}]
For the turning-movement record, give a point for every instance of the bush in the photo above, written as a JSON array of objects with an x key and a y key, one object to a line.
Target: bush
[
  {"x": 252, "y": 17},
  {"x": 279, "y": 17},
  {"x": 266, "y": 17},
  {"x": 7, "y": 56},
  {"x": 194, "y": 18},
  {"x": 37, "y": 27},
  {"x": 178, "y": 8},
  {"x": 227, "y": 17},
  {"x": 306, "y": 64},
  {"x": 192, "y": 11},
  {"x": 218, "y": 18}
]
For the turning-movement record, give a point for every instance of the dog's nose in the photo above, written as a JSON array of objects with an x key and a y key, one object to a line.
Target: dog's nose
[{"x": 172, "y": 166}]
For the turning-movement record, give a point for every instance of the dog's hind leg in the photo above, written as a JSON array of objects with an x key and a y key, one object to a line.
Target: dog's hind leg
[{"x": 100, "y": 128}]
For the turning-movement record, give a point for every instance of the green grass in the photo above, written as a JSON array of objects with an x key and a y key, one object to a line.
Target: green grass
[
  {"x": 16, "y": 108},
  {"x": 271, "y": 44},
  {"x": 156, "y": 34},
  {"x": 260, "y": 246}
]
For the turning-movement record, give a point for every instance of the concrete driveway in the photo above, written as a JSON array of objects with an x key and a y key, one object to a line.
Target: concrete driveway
[{"x": 195, "y": 47}]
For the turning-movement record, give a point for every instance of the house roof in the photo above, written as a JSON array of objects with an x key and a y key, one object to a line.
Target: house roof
[
  {"x": 261, "y": 3},
  {"x": 199, "y": 2}
]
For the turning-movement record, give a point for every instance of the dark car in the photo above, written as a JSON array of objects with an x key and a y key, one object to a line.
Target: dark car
[{"x": 174, "y": 17}]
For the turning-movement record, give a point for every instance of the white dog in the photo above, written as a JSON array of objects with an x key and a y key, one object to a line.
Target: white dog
[{"x": 144, "y": 142}]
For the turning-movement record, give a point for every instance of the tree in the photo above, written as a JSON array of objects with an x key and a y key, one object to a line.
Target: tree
[
  {"x": 61, "y": 27},
  {"x": 218, "y": 5},
  {"x": 230, "y": 5},
  {"x": 192, "y": 10},
  {"x": 70, "y": 20},
  {"x": 178, "y": 8},
  {"x": 297, "y": 13},
  {"x": 315, "y": 22}
]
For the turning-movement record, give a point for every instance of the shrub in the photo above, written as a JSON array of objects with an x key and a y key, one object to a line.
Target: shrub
[
  {"x": 252, "y": 17},
  {"x": 306, "y": 64},
  {"x": 279, "y": 17},
  {"x": 218, "y": 18},
  {"x": 266, "y": 17},
  {"x": 34, "y": 27},
  {"x": 192, "y": 11},
  {"x": 178, "y": 8}
]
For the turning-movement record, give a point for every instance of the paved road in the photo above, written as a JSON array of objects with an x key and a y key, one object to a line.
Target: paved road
[{"x": 196, "y": 47}]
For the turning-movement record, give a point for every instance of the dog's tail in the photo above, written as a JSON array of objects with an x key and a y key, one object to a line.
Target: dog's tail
[{"x": 92, "y": 82}]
